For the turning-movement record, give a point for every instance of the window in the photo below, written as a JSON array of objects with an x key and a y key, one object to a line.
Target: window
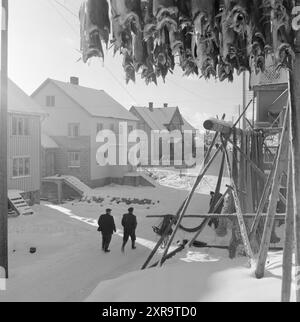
[
  {"x": 99, "y": 127},
  {"x": 130, "y": 129},
  {"x": 21, "y": 167},
  {"x": 50, "y": 101},
  {"x": 112, "y": 127},
  {"x": 20, "y": 126},
  {"x": 73, "y": 130},
  {"x": 74, "y": 159}
]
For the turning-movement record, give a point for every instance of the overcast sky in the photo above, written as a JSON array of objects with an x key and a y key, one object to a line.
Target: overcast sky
[{"x": 44, "y": 43}]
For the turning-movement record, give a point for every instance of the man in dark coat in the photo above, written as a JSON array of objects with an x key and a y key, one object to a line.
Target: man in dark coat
[
  {"x": 129, "y": 223},
  {"x": 107, "y": 227}
]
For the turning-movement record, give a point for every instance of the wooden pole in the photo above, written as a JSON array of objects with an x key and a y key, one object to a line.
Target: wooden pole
[
  {"x": 287, "y": 262},
  {"x": 295, "y": 123},
  {"x": 294, "y": 86},
  {"x": 187, "y": 203},
  {"x": 241, "y": 222},
  {"x": 215, "y": 204},
  {"x": 3, "y": 140},
  {"x": 255, "y": 168},
  {"x": 206, "y": 164},
  {"x": 280, "y": 166}
]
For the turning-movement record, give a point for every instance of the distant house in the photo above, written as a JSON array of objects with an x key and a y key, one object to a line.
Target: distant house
[
  {"x": 76, "y": 114},
  {"x": 162, "y": 119},
  {"x": 24, "y": 144}
]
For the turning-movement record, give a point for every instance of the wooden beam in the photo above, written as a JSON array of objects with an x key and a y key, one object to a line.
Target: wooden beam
[
  {"x": 287, "y": 262},
  {"x": 241, "y": 222},
  {"x": 3, "y": 141},
  {"x": 187, "y": 203},
  {"x": 219, "y": 126},
  {"x": 215, "y": 202},
  {"x": 280, "y": 167},
  {"x": 168, "y": 229},
  {"x": 294, "y": 98},
  {"x": 230, "y": 216},
  {"x": 256, "y": 168}
]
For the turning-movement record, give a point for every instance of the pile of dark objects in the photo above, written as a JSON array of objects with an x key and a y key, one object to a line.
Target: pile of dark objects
[{"x": 118, "y": 201}]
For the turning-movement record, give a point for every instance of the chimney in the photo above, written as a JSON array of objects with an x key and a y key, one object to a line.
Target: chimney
[
  {"x": 151, "y": 106},
  {"x": 166, "y": 105},
  {"x": 74, "y": 80}
]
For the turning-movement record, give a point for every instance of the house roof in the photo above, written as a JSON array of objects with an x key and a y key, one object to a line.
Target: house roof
[
  {"x": 158, "y": 118},
  {"x": 19, "y": 102},
  {"x": 47, "y": 142},
  {"x": 96, "y": 102}
]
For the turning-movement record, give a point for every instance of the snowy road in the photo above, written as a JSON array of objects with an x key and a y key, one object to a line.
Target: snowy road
[{"x": 69, "y": 263}]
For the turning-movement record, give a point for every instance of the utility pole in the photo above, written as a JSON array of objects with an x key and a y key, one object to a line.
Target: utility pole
[{"x": 3, "y": 139}]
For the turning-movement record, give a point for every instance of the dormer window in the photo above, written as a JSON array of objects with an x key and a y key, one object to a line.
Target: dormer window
[{"x": 50, "y": 101}]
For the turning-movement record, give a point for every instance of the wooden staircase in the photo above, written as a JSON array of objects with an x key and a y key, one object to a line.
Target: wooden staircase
[{"x": 18, "y": 203}]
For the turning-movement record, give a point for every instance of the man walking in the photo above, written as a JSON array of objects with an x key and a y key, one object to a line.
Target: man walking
[
  {"x": 129, "y": 223},
  {"x": 107, "y": 227}
]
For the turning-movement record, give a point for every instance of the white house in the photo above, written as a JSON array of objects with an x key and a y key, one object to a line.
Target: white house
[{"x": 75, "y": 116}]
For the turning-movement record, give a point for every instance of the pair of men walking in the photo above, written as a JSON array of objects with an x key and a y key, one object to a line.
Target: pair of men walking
[{"x": 107, "y": 227}]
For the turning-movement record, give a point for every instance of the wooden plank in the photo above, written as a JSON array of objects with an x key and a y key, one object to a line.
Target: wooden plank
[
  {"x": 168, "y": 229},
  {"x": 187, "y": 203},
  {"x": 263, "y": 201},
  {"x": 215, "y": 203},
  {"x": 287, "y": 262},
  {"x": 240, "y": 218},
  {"x": 230, "y": 216},
  {"x": 294, "y": 99},
  {"x": 256, "y": 169},
  {"x": 280, "y": 167},
  {"x": 3, "y": 142},
  {"x": 243, "y": 228}
]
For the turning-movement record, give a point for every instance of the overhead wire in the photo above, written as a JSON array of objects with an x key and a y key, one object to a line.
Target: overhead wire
[{"x": 76, "y": 33}]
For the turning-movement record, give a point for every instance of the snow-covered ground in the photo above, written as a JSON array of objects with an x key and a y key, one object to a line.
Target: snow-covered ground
[
  {"x": 203, "y": 277},
  {"x": 69, "y": 265}
]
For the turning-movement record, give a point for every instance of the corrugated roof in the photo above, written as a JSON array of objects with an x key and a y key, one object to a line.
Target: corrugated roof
[
  {"x": 160, "y": 117},
  {"x": 96, "y": 102},
  {"x": 19, "y": 101}
]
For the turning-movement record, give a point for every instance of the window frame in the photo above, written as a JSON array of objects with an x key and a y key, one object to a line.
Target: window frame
[
  {"x": 20, "y": 126},
  {"x": 71, "y": 132},
  {"x": 21, "y": 174},
  {"x": 72, "y": 162},
  {"x": 50, "y": 101}
]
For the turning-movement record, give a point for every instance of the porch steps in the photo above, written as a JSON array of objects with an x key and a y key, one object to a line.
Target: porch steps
[
  {"x": 77, "y": 185},
  {"x": 19, "y": 204}
]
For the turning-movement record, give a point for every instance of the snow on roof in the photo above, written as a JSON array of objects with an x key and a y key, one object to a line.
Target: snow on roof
[
  {"x": 48, "y": 142},
  {"x": 158, "y": 118},
  {"x": 20, "y": 102},
  {"x": 96, "y": 102}
]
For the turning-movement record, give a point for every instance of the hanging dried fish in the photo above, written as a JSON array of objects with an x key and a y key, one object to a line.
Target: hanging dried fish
[
  {"x": 204, "y": 44},
  {"x": 90, "y": 35},
  {"x": 211, "y": 37},
  {"x": 281, "y": 31},
  {"x": 98, "y": 11},
  {"x": 128, "y": 13}
]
